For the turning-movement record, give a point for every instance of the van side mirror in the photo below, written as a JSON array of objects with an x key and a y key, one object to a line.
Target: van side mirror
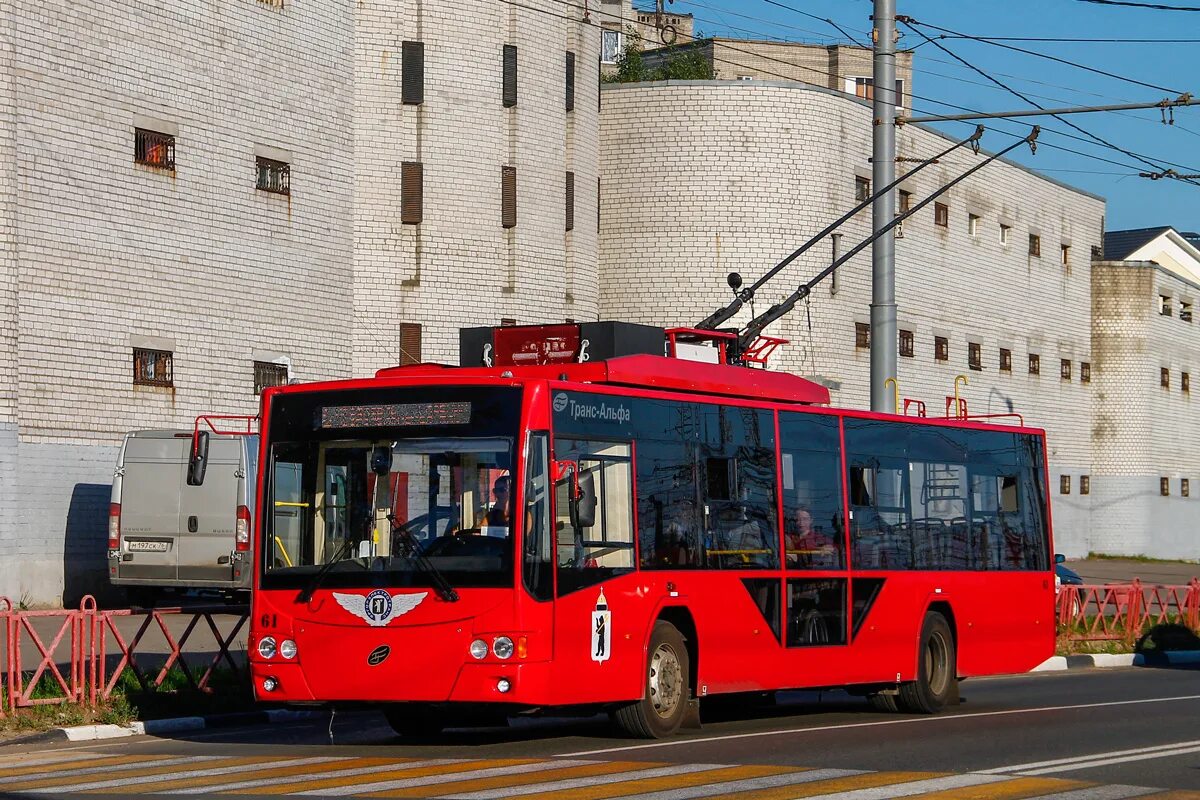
[
  {"x": 1059, "y": 558},
  {"x": 198, "y": 462}
]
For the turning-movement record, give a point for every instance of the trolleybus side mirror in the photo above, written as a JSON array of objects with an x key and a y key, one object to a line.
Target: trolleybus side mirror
[
  {"x": 583, "y": 507},
  {"x": 381, "y": 460},
  {"x": 1059, "y": 558},
  {"x": 198, "y": 461}
]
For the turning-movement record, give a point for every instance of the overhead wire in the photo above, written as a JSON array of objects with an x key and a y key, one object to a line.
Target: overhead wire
[
  {"x": 916, "y": 26},
  {"x": 1151, "y": 6},
  {"x": 793, "y": 78}
]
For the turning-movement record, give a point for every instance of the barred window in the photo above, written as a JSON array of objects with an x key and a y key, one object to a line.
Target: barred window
[
  {"x": 1035, "y": 364},
  {"x": 154, "y": 149},
  {"x": 906, "y": 343},
  {"x": 268, "y": 374},
  {"x": 153, "y": 367},
  {"x": 1064, "y": 369},
  {"x": 1085, "y": 372},
  {"x": 1064, "y": 484},
  {"x": 1164, "y": 486},
  {"x": 1085, "y": 484},
  {"x": 273, "y": 176},
  {"x": 1185, "y": 487},
  {"x": 862, "y": 334}
]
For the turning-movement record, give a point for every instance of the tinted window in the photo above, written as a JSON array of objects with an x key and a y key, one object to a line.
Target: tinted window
[
  {"x": 925, "y": 497},
  {"x": 816, "y": 612},
  {"x": 814, "y": 534}
]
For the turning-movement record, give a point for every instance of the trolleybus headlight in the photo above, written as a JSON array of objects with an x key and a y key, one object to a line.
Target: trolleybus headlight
[
  {"x": 479, "y": 649},
  {"x": 502, "y": 646},
  {"x": 266, "y": 647},
  {"x": 287, "y": 649},
  {"x": 503, "y": 685}
]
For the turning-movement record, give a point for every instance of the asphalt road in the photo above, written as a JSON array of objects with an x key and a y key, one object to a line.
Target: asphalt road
[{"x": 1095, "y": 734}]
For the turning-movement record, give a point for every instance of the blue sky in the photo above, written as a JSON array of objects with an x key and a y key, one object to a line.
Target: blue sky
[{"x": 1133, "y": 202}]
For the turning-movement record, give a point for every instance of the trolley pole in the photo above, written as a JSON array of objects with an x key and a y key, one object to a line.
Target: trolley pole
[{"x": 883, "y": 250}]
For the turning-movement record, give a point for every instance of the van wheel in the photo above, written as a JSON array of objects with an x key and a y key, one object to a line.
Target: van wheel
[
  {"x": 142, "y": 596},
  {"x": 665, "y": 695},
  {"x": 936, "y": 685}
]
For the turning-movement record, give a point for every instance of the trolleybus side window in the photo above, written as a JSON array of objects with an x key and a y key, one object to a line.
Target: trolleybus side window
[
  {"x": 539, "y": 548},
  {"x": 738, "y": 503},
  {"x": 813, "y": 530},
  {"x": 594, "y": 532}
]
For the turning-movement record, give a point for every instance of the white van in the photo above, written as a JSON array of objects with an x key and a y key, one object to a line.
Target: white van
[{"x": 175, "y": 525}]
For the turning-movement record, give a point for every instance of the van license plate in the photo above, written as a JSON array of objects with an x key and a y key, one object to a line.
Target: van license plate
[{"x": 146, "y": 547}]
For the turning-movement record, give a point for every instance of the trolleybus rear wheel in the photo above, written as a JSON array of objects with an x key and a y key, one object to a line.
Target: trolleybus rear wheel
[
  {"x": 661, "y": 710},
  {"x": 936, "y": 685},
  {"x": 883, "y": 702}
]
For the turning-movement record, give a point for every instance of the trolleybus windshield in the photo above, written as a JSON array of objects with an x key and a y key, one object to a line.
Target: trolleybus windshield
[{"x": 384, "y": 486}]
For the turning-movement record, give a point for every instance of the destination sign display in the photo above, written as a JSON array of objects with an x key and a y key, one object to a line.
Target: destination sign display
[{"x": 394, "y": 415}]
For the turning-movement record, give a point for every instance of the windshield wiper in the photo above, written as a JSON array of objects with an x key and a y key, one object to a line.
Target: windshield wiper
[
  {"x": 443, "y": 587},
  {"x": 307, "y": 593}
]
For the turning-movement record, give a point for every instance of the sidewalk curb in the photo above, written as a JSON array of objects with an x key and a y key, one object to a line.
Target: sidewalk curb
[
  {"x": 158, "y": 727},
  {"x": 1110, "y": 660}
]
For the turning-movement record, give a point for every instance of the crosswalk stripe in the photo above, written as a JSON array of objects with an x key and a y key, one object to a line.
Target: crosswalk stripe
[
  {"x": 53, "y": 757},
  {"x": 266, "y": 771},
  {"x": 1178, "y": 794},
  {"x": 848, "y": 780},
  {"x": 331, "y": 784},
  {"x": 750, "y": 787},
  {"x": 81, "y": 766},
  {"x": 1113, "y": 792},
  {"x": 62, "y": 777},
  {"x": 920, "y": 787},
  {"x": 575, "y": 783},
  {"x": 227, "y": 766},
  {"x": 486, "y": 769},
  {"x": 511, "y": 782},
  {"x": 698, "y": 775},
  {"x": 1016, "y": 789},
  {"x": 388, "y": 765}
]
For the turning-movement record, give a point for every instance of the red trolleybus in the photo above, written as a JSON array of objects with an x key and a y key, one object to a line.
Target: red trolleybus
[{"x": 633, "y": 532}]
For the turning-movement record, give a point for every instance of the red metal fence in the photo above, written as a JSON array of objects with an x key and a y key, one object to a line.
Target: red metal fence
[
  {"x": 1126, "y": 611},
  {"x": 79, "y": 655}
]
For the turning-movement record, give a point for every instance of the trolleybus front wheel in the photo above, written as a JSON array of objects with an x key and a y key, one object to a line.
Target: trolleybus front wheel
[
  {"x": 661, "y": 710},
  {"x": 936, "y": 685}
]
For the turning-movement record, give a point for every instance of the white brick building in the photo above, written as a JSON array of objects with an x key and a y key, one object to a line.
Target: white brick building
[
  {"x": 756, "y": 168},
  {"x": 1147, "y": 350}
]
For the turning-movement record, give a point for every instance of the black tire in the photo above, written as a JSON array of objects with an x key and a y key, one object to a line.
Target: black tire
[
  {"x": 415, "y": 721},
  {"x": 666, "y": 694},
  {"x": 883, "y": 702},
  {"x": 936, "y": 685}
]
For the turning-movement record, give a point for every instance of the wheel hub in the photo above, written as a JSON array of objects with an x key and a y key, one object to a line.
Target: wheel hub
[{"x": 666, "y": 681}]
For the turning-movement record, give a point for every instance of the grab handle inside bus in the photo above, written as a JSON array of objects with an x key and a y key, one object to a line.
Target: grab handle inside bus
[{"x": 198, "y": 462}]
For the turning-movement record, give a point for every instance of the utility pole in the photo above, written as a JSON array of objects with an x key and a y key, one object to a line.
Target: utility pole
[{"x": 883, "y": 169}]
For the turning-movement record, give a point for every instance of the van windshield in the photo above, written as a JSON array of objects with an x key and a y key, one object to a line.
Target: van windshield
[{"x": 370, "y": 484}]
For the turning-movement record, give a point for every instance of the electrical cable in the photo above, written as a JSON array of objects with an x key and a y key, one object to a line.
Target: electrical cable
[
  {"x": 916, "y": 26},
  {"x": 1150, "y": 6}
]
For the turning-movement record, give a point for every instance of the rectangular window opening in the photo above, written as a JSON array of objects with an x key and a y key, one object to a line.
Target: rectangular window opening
[
  {"x": 508, "y": 197},
  {"x": 941, "y": 348},
  {"x": 412, "y": 191},
  {"x": 1164, "y": 487},
  {"x": 941, "y": 215},
  {"x": 273, "y": 176},
  {"x": 509, "y": 60},
  {"x": 412, "y": 73},
  {"x": 862, "y": 188},
  {"x": 1085, "y": 484},
  {"x": 1064, "y": 369},
  {"x": 904, "y": 203},
  {"x": 154, "y": 149},
  {"x": 1005, "y": 360},
  {"x": 906, "y": 343},
  {"x": 862, "y": 334},
  {"x": 570, "y": 201},
  {"x": 1185, "y": 487},
  {"x": 1185, "y": 382},
  {"x": 267, "y": 374},
  {"x": 975, "y": 356},
  {"x": 973, "y": 224},
  {"x": 1185, "y": 311},
  {"x": 1035, "y": 364},
  {"x": 1085, "y": 372},
  {"x": 153, "y": 367},
  {"x": 1064, "y": 484},
  {"x": 1035, "y": 245},
  {"x": 570, "y": 100},
  {"x": 410, "y": 343},
  {"x": 1164, "y": 305},
  {"x": 1164, "y": 377},
  {"x": 1065, "y": 255},
  {"x": 1005, "y": 231}
]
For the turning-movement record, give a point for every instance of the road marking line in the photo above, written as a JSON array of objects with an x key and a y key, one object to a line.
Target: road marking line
[
  {"x": 61, "y": 778},
  {"x": 1113, "y": 792},
  {"x": 513, "y": 781},
  {"x": 1178, "y": 794},
  {"x": 229, "y": 766},
  {"x": 1103, "y": 762},
  {"x": 266, "y": 771},
  {"x": 502, "y": 767},
  {"x": 913, "y": 721},
  {"x": 919, "y": 787},
  {"x": 1088, "y": 757},
  {"x": 81, "y": 766},
  {"x": 574, "y": 783},
  {"x": 391, "y": 765},
  {"x": 446, "y": 770},
  {"x": 854, "y": 779},
  {"x": 51, "y": 757},
  {"x": 1016, "y": 789},
  {"x": 696, "y": 775},
  {"x": 785, "y": 783}
]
